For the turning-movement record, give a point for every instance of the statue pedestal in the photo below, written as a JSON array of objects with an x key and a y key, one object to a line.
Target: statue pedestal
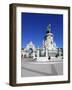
[{"x": 42, "y": 58}]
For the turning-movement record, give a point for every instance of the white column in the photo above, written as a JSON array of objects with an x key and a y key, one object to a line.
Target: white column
[
  {"x": 38, "y": 55},
  {"x": 46, "y": 53},
  {"x": 33, "y": 55}
]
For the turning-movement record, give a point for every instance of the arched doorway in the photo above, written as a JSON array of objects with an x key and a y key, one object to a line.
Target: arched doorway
[{"x": 30, "y": 52}]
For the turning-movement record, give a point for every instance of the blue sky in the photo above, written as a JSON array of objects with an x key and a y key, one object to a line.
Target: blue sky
[{"x": 34, "y": 27}]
